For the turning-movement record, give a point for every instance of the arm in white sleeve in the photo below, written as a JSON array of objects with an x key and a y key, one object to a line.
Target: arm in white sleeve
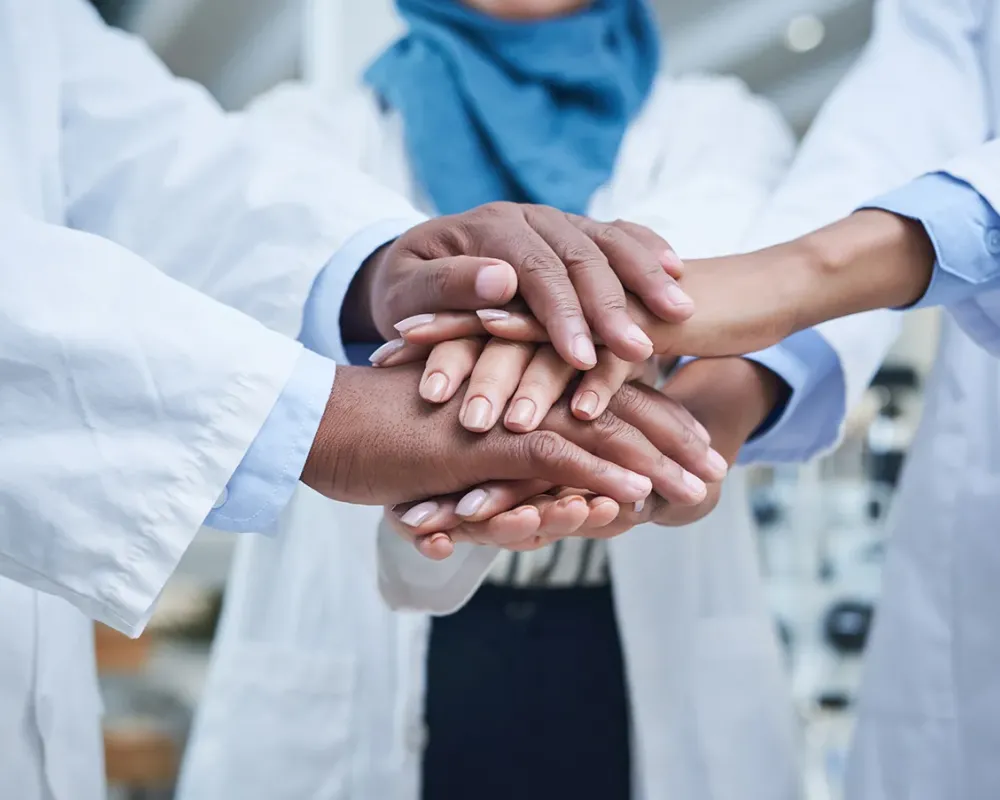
[
  {"x": 219, "y": 201},
  {"x": 914, "y": 100},
  {"x": 128, "y": 400}
]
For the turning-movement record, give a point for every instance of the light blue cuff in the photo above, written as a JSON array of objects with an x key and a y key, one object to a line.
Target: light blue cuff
[
  {"x": 266, "y": 477},
  {"x": 810, "y": 422},
  {"x": 964, "y": 229},
  {"x": 321, "y": 319}
]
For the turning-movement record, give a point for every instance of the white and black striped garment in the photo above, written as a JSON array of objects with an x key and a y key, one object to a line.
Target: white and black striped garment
[{"x": 568, "y": 562}]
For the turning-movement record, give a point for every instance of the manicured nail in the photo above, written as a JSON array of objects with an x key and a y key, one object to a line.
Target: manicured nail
[
  {"x": 492, "y": 315},
  {"x": 583, "y": 350},
  {"x": 694, "y": 483},
  {"x": 416, "y": 321},
  {"x": 416, "y": 515},
  {"x": 435, "y": 385},
  {"x": 477, "y": 414},
  {"x": 386, "y": 350},
  {"x": 493, "y": 280},
  {"x": 522, "y": 413},
  {"x": 471, "y": 503},
  {"x": 716, "y": 463},
  {"x": 640, "y": 485},
  {"x": 640, "y": 505},
  {"x": 586, "y": 404},
  {"x": 670, "y": 259},
  {"x": 636, "y": 335},
  {"x": 677, "y": 296}
]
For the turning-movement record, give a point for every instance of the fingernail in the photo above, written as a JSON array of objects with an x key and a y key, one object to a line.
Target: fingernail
[
  {"x": 640, "y": 505},
  {"x": 522, "y": 413},
  {"x": 702, "y": 431},
  {"x": 694, "y": 483},
  {"x": 586, "y": 404},
  {"x": 386, "y": 350},
  {"x": 671, "y": 259},
  {"x": 635, "y": 334},
  {"x": 583, "y": 350},
  {"x": 493, "y": 280},
  {"x": 717, "y": 463},
  {"x": 477, "y": 414},
  {"x": 677, "y": 296},
  {"x": 435, "y": 385},
  {"x": 639, "y": 484},
  {"x": 416, "y": 515},
  {"x": 415, "y": 321},
  {"x": 471, "y": 503},
  {"x": 492, "y": 315}
]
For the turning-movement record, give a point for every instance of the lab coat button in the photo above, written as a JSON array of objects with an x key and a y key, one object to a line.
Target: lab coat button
[
  {"x": 993, "y": 241},
  {"x": 221, "y": 501}
]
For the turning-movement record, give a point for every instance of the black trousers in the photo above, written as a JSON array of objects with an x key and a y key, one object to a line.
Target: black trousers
[{"x": 526, "y": 699}]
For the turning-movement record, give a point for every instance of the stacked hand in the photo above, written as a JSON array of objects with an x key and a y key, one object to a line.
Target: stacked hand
[{"x": 541, "y": 282}]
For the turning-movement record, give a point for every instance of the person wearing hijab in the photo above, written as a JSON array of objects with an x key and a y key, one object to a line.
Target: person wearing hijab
[{"x": 643, "y": 667}]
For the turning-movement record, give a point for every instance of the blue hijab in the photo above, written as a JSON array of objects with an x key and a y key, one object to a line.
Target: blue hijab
[{"x": 530, "y": 111}]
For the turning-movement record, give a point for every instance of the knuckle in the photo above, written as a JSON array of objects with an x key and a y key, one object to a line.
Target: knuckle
[
  {"x": 613, "y": 303},
  {"x": 536, "y": 262},
  {"x": 546, "y": 447}
]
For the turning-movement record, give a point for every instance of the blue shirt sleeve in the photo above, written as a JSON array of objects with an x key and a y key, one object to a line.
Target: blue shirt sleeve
[
  {"x": 809, "y": 421},
  {"x": 964, "y": 229},
  {"x": 263, "y": 483}
]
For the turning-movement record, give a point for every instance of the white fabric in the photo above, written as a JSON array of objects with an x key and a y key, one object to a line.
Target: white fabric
[
  {"x": 923, "y": 97},
  {"x": 128, "y": 398},
  {"x": 712, "y": 710}
]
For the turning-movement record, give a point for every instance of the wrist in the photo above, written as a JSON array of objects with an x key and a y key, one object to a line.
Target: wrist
[
  {"x": 730, "y": 396},
  {"x": 870, "y": 259},
  {"x": 331, "y": 442}
]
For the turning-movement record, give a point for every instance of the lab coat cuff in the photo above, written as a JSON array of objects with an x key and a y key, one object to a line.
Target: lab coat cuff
[
  {"x": 810, "y": 420},
  {"x": 321, "y": 319},
  {"x": 963, "y": 228},
  {"x": 265, "y": 480}
]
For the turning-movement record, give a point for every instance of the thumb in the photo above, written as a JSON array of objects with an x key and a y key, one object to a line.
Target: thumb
[{"x": 456, "y": 283}]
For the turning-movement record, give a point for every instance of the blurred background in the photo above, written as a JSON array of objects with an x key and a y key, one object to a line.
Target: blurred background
[{"x": 821, "y": 527}]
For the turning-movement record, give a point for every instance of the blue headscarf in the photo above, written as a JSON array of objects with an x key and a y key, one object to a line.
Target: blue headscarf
[{"x": 529, "y": 111}]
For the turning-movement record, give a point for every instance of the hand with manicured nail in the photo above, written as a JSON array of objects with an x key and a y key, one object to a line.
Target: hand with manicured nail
[
  {"x": 571, "y": 272},
  {"x": 400, "y": 448},
  {"x": 682, "y": 465},
  {"x": 730, "y": 396}
]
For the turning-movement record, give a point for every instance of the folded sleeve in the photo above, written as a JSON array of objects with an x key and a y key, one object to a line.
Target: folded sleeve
[
  {"x": 809, "y": 422},
  {"x": 964, "y": 229}
]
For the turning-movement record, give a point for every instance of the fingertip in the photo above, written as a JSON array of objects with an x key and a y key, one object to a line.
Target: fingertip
[
  {"x": 586, "y": 404},
  {"x": 672, "y": 263},
  {"x": 521, "y": 416},
  {"x": 434, "y": 388},
  {"x": 496, "y": 282},
  {"x": 435, "y": 546}
]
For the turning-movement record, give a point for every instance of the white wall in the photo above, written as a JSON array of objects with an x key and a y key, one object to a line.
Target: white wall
[{"x": 342, "y": 37}]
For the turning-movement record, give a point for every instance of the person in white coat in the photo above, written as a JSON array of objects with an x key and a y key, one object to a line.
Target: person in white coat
[
  {"x": 158, "y": 258},
  {"x": 918, "y": 113},
  {"x": 312, "y": 693}
]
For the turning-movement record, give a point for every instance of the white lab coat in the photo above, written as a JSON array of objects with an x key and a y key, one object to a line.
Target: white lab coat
[
  {"x": 318, "y": 693},
  {"x": 925, "y": 95},
  {"x": 128, "y": 398}
]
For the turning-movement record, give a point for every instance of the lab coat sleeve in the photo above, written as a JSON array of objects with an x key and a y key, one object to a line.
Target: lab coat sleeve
[
  {"x": 914, "y": 100},
  {"x": 219, "y": 201},
  {"x": 128, "y": 400},
  {"x": 268, "y": 474}
]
